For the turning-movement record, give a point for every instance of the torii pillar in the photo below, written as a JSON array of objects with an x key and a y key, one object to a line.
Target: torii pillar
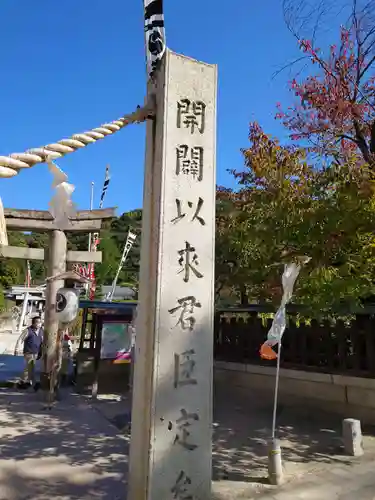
[
  {"x": 56, "y": 265},
  {"x": 171, "y": 438}
]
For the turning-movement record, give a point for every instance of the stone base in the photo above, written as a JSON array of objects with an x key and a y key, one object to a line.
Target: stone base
[
  {"x": 275, "y": 467},
  {"x": 343, "y": 395}
]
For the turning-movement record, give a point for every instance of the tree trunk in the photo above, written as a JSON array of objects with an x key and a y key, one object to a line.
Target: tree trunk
[{"x": 243, "y": 296}]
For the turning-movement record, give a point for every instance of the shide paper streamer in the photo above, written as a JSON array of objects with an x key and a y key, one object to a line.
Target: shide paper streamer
[
  {"x": 61, "y": 206},
  {"x": 290, "y": 274}
]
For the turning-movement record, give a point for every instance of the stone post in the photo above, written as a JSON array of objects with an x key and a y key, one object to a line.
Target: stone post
[
  {"x": 170, "y": 453},
  {"x": 352, "y": 437},
  {"x": 275, "y": 465}
]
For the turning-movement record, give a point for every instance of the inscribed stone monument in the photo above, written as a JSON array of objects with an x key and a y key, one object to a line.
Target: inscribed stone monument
[{"x": 172, "y": 396}]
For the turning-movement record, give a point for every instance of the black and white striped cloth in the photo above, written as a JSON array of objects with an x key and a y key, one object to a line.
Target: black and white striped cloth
[
  {"x": 155, "y": 34},
  {"x": 107, "y": 178},
  {"x": 95, "y": 237}
]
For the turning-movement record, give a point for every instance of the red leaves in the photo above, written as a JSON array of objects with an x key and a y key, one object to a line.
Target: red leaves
[
  {"x": 329, "y": 102},
  {"x": 294, "y": 84}
]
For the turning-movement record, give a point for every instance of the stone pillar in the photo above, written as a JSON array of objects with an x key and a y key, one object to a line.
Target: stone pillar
[
  {"x": 170, "y": 454},
  {"x": 352, "y": 437},
  {"x": 56, "y": 265}
]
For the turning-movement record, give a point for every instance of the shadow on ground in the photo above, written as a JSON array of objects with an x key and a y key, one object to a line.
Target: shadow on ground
[
  {"x": 72, "y": 453},
  {"x": 69, "y": 452},
  {"x": 310, "y": 439}
]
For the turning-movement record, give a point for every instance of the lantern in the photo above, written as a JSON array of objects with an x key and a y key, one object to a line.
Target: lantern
[{"x": 67, "y": 303}]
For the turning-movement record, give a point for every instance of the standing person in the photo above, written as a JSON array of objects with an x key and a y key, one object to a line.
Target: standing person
[{"x": 32, "y": 339}]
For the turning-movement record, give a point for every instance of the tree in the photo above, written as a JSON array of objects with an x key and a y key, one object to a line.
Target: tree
[
  {"x": 335, "y": 108},
  {"x": 284, "y": 207},
  {"x": 38, "y": 268},
  {"x": 106, "y": 270},
  {"x": 119, "y": 229},
  {"x": 12, "y": 271}
]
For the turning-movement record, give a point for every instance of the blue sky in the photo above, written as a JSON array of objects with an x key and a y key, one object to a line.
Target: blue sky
[{"x": 69, "y": 66}]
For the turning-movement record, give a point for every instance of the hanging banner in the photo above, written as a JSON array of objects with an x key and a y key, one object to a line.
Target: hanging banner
[
  {"x": 155, "y": 34},
  {"x": 290, "y": 274},
  {"x": 107, "y": 178},
  {"x": 128, "y": 245},
  {"x": 95, "y": 238}
]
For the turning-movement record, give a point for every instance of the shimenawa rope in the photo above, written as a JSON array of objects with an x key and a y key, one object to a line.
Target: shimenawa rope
[{"x": 12, "y": 164}]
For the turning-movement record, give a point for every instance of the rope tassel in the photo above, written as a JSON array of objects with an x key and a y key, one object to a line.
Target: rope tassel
[{"x": 12, "y": 164}]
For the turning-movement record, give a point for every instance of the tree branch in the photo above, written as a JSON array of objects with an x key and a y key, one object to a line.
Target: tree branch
[
  {"x": 368, "y": 65},
  {"x": 361, "y": 142}
]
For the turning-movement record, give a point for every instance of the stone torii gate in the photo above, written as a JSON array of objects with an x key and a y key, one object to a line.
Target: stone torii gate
[{"x": 57, "y": 254}]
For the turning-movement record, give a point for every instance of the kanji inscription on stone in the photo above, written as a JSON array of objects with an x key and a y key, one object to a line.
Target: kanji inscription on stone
[
  {"x": 186, "y": 306},
  {"x": 180, "y": 490},
  {"x": 188, "y": 261},
  {"x": 189, "y": 161},
  {"x": 191, "y": 115},
  {"x": 181, "y": 214},
  {"x": 184, "y": 367},
  {"x": 183, "y": 434},
  {"x": 171, "y": 452}
]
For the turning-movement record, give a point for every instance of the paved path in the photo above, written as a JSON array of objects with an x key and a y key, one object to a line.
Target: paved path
[
  {"x": 311, "y": 444},
  {"x": 68, "y": 453},
  {"x": 347, "y": 482},
  {"x": 74, "y": 453}
]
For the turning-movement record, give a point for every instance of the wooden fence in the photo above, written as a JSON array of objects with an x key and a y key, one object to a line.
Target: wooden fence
[{"x": 327, "y": 346}]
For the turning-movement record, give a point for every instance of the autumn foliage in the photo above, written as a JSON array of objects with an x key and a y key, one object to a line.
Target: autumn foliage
[
  {"x": 335, "y": 109},
  {"x": 284, "y": 207},
  {"x": 314, "y": 196}
]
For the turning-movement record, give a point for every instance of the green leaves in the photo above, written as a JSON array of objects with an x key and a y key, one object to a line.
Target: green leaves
[{"x": 285, "y": 207}]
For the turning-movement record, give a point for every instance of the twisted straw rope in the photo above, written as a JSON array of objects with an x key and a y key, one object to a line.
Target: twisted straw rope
[{"x": 12, "y": 164}]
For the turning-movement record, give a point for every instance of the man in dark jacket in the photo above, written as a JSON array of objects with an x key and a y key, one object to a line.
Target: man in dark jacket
[{"x": 32, "y": 339}]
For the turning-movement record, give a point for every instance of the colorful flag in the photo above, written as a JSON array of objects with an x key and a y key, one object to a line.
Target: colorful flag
[
  {"x": 82, "y": 270},
  {"x": 290, "y": 274},
  {"x": 155, "y": 34}
]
